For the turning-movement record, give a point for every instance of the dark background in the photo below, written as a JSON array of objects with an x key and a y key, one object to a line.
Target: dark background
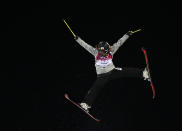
[{"x": 41, "y": 61}]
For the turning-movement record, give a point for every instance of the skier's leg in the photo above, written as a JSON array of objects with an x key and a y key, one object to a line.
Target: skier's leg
[
  {"x": 133, "y": 72},
  {"x": 127, "y": 72},
  {"x": 95, "y": 90}
]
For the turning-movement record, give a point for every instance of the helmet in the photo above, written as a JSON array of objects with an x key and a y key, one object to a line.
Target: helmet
[{"x": 103, "y": 47}]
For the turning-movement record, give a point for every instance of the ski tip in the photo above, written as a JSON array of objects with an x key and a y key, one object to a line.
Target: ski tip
[
  {"x": 66, "y": 95},
  {"x": 153, "y": 97},
  {"x": 98, "y": 120},
  {"x": 143, "y": 49}
]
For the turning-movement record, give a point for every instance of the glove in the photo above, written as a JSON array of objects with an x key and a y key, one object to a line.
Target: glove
[
  {"x": 129, "y": 33},
  {"x": 76, "y": 37}
]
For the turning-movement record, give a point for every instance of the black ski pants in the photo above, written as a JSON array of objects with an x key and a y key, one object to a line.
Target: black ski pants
[{"x": 103, "y": 79}]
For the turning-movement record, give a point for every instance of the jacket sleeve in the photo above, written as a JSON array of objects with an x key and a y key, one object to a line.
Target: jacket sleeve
[
  {"x": 88, "y": 47},
  {"x": 119, "y": 43}
]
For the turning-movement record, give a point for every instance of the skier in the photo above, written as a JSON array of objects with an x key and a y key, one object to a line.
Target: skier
[{"x": 105, "y": 69}]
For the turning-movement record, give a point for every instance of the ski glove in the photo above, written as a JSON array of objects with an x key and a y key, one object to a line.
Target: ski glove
[
  {"x": 76, "y": 37},
  {"x": 129, "y": 33}
]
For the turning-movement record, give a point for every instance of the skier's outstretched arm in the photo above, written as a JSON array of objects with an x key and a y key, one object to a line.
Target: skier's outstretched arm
[
  {"x": 120, "y": 42},
  {"x": 88, "y": 47}
]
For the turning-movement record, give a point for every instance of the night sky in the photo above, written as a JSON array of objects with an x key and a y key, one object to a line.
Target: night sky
[{"x": 40, "y": 61}]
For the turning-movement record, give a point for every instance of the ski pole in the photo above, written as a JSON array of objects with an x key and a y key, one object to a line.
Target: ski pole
[
  {"x": 69, "y": 28},
  {"x": 136, "y": 31}
]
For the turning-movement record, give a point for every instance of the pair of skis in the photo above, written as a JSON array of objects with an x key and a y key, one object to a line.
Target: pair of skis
[{"x": 150, "y": 80}]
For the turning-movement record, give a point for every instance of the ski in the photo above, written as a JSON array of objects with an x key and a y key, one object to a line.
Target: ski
[
  {"x": 74, "y": 103},
  {"x": 148, "y": 69}
]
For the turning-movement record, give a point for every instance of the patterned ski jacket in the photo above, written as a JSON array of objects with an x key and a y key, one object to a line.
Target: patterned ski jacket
[{"x": 103, "y": 64}]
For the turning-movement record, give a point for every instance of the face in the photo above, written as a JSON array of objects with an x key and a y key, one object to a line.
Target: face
[
  {"x": 103, "y": 53},
  {"x": 102, "y": 49}
]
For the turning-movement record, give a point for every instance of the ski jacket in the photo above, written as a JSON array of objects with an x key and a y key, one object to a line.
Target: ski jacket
[{"x": 103, "y": 64}]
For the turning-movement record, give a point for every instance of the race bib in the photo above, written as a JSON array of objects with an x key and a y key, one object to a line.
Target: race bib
[{"x": 103, "y": 63}]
